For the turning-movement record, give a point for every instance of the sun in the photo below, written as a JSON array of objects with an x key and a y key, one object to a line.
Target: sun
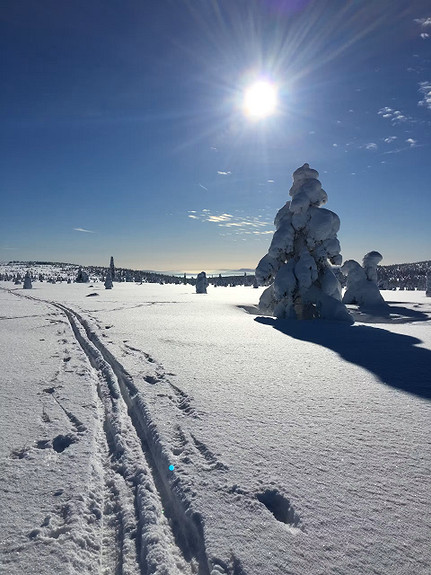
[{"x": 260, "y": 99}]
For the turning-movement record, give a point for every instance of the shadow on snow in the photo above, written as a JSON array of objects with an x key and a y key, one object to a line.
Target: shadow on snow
[{"x": 393, "y": 358}]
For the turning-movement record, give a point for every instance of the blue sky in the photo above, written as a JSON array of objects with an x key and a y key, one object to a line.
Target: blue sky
[{"x": 123, "y": 133}]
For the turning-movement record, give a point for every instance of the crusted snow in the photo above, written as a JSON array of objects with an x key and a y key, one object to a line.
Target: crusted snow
[{"x": 298, "y": 447}]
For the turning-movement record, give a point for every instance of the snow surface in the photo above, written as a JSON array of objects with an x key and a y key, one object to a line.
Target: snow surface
[{"x": 297, "y": 447}]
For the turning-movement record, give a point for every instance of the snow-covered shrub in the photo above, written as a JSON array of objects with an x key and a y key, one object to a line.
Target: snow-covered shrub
[
  {"x": 27, "y": 281},
  {"x": 304, "y": 285},
  {"x": 362, "y": 288},
  {"x": 201, "y": 283},
  {"x": 108, "y": 280}
]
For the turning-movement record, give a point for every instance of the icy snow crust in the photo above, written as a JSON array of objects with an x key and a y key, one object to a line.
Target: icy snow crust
[{"x": 298, "y": 448}]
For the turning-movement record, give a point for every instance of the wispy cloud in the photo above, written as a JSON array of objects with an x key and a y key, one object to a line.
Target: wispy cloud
[
  {"x": 83, "y": 230},
  {"x": 424, "y": 22},
  {"x": 239, "y": 225},
  {"x": 220, "y": 173},
  {"x": 425, "y": 92},
  {"x": 390, "y": 139},
  {"x": 412, "y": 143},
  {"x": 371, "y": 146},
  {"x": 221, "y": 218},
  {"x": 203, "y": 187}
]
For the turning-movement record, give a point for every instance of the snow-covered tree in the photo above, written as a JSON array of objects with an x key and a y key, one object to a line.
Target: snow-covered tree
[
  {"x": 428, "y": 285},
  {"x": 82, "y": 277},
  {"x": 362, "y": 288},
  {"x": 201, "y": 283},
  {"x": 108, "y": 280},
  {"x": 27, "y": 281},
  {"x": 112, "y": 268},
  {"x": 304, "y": 285}
]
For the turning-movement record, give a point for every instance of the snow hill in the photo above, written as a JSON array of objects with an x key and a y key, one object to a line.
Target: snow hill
[{"x": 148, "y": 429}]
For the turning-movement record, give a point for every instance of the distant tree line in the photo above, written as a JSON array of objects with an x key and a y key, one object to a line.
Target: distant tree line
[{"x": 397, "y": 276}]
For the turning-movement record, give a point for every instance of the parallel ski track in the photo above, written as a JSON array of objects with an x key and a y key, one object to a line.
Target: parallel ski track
[{"x": 163, "y": 524}]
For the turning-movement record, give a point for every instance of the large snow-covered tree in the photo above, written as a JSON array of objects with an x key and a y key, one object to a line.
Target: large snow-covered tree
[
  {"x": 112, "y": 268},
  {"x": 298, "y": 261},
  {"x": 428, "y": 285}
]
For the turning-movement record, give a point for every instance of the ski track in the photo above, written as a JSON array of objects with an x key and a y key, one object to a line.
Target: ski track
[{"x": 148, "y": 524}]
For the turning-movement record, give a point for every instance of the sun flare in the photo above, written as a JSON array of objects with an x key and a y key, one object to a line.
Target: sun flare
[{"x": 260, "y": 99}]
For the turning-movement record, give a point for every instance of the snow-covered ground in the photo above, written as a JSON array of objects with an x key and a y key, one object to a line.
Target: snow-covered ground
[{"x": 149, "y": 429}]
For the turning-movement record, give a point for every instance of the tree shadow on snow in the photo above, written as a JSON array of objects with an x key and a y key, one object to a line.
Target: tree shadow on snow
[
  {"x": 392, "y": 314},
  {"x": 392, "y": 357}
]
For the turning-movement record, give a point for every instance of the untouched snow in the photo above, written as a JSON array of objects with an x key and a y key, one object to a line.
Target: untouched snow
[{"x": 297, "y": 447}]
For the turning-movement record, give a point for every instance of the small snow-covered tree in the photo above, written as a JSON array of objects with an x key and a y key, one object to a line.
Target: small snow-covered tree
[
  {"x": 362, "y": 288},
  {"x": 108, "y": 280},
  {"x": 82, "y": 277},
  {"x": 428, "y": 285},
  {"x": 27, "y": 281},
  {"x": 201, "y": 283},
  {"x": 112, "y": 268},
  {"x": 304, "y": 285}
]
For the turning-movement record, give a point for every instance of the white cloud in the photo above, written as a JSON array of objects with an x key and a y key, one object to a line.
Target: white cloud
[
  {"x": 335, "y": 145},
  {"x": 395, "y": 116},
  {"x": 425, "y": 91},
  {"x": 424, "y": 35},
  {"x": 412, "y": 143},
  {"x": 371, "y": 146},
  {"x": 220, "y": 218},
  {"x": 203, "y": 187},
  {"x": 423, "y": 21},
  {"x": 239, "y": 225},
  {"x": 220, "y": 173},
  {"x": 390, "y": 139},
  {"x": 83, "y": 230},
  {"x": 270, "y": 181}
]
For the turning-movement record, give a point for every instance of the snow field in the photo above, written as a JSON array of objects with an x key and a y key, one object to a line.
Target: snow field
[{"x": 290, "y": 455}]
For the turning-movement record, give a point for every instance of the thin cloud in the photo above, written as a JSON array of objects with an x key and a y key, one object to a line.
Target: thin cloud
[
  {"x": 203, "y": 187},
  {"x": 238, "y": 225},
  {"x": 423, "y": 22},
  {"x": 425, "y": 91},
  {"x": 424, "y": 35},
  {"x": 221, "y": 218},
  {"x": 371, "y": 146},
  {"x": 84, "y": 230},
  {"x": 390, "y": 139},
  {"x": 220, "y": 173}
]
